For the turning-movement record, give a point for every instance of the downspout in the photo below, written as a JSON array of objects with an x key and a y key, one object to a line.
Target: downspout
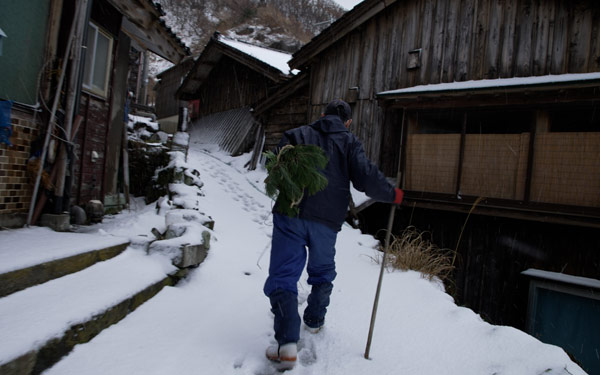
[{"x": 73, "y": 88}]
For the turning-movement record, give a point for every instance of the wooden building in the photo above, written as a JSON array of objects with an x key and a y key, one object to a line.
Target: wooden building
[
  {"x": 167, "y": 105},
  {"x": 285, "y": 109},
  {"x": 490, "y": 112},
  {"x": 59, "y": 92},
  {"x": 228, "y": 80}
]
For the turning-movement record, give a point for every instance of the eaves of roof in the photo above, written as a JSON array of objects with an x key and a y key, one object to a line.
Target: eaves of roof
[
  {"x": 158, "y": 37},
  {"x": 546, "y": 82},
  {"x": 284, "y": 91},
  {"x": 500, "y": 91},
  {"x": 209, "y": 58},
  {"x": 186, "y": 63},
  {"x": 352, "y": 19}
]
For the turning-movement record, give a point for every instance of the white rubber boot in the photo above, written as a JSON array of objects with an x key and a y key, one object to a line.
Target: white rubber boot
[{"x": 283, "y": 355}]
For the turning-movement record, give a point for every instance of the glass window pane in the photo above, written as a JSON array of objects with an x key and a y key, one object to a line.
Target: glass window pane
[
  {"x": 101, "y": 62},
  {"x": 89, "y": 56}
]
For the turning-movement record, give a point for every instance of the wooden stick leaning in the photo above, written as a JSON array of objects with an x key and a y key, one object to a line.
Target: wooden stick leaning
[{"x": 388, "y": 235}]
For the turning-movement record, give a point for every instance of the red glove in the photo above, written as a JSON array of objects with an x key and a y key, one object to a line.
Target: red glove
[{"x": 399, "y": 196}]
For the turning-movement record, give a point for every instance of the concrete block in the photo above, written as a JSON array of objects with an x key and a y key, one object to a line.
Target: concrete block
[
  {"x": 17, "y": 220},
  {"x": 94, "y": 210},
  {"x": 182, "y": 253},
  {"x": 193, "y": 255},
  {"x": 59, "y": 223}
]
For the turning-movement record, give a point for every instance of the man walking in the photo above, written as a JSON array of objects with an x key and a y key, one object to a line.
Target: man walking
[{"x": 320, "y": 219}]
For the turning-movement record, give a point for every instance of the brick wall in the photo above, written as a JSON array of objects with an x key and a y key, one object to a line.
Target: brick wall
[
  {"x": 16, "y": 188},
  {"x": 91, "y": 137}
]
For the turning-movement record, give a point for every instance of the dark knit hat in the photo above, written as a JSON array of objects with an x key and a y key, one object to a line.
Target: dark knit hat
[{"x": 340, "y": 108}]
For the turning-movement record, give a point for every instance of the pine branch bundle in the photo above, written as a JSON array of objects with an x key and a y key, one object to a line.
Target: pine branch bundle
[{"x": 292, "y": 171}]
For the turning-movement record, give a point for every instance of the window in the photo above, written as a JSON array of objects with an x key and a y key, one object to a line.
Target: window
[
  {"x": 97, "y": 60},
  {"x": 576, "y": 118},
  {"x": 506, "y": 121}
]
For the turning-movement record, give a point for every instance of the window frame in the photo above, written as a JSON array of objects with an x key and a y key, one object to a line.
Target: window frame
[{"x": 90, "y": 58}]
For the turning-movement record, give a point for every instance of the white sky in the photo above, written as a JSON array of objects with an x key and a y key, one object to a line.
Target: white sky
[
  {"x": 347, "y": 4},
  {"x": 218, "y": 321}
]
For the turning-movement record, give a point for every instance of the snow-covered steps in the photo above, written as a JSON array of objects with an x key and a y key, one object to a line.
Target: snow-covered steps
[
  {"x": 42, "y": 323},
  {"x": 33, "y": 256}
]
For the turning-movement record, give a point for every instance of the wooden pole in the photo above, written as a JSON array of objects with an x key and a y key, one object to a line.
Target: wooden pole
[
  {"x": 125, "y": 153},
  {"x": 388, "y": 235},
  {"x": 38, "y": 178},
  {"x": 70, "y": 106}
]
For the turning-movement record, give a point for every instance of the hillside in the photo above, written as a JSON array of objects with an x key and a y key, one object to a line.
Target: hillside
[{"x": 281, "y": 24}]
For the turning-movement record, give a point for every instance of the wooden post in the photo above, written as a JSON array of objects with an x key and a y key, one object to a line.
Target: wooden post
[
  {"x": 461, "y": 154},
  {"x": 182, "y": 124},
  {"x": 125, "y": 165},
  {"x": 69, "y": 109}
]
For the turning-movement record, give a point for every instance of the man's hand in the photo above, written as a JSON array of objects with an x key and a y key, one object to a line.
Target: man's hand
[{"x": 399, "y": 196}]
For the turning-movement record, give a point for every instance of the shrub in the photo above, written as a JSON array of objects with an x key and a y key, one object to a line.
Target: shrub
[{"x": 412, "y": 250}]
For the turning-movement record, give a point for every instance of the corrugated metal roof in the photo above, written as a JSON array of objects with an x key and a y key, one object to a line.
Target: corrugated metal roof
[{"x": 233, "y": 130}]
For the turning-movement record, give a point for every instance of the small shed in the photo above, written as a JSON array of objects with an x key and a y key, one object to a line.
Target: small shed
[
  {"x": 228, "y": 80},
  {"x": 167, "y": 105}
]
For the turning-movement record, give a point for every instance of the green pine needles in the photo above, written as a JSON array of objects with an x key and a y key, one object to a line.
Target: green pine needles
[{"x": 294, "y": 170}]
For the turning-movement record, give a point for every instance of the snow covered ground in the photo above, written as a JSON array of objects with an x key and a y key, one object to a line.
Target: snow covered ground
[{"x": 218, "y": 320}]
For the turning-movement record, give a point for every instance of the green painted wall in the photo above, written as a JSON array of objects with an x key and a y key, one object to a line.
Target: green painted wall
[
  {"x": 24, "y": 23},
  {"x": 571, "y": 322}
]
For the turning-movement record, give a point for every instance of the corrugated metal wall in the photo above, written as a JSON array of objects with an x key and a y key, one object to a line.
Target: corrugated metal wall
[{"x": 233, "y": 131}]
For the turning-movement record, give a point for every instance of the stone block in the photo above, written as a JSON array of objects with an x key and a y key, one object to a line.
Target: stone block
[
  {"x": 94, "y": 210},
  {"x": 13, "y": 220},
  {"x": 189, "y": 250},
  {"x": 193, "y": 255},
  {"x": 58, "y": 223},
  {"x": 175, "y": 217}
]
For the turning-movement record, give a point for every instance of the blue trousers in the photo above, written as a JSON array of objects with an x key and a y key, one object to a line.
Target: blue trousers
[{"x": 291, "y": 239}]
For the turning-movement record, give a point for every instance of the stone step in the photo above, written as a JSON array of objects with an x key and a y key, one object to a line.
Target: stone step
[
  {"x": 41, "y": 324},
  {"x": 34, "y": 256}
]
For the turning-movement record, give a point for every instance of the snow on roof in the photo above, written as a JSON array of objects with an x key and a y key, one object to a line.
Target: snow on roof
[
  {"x": 278, "y": 60},
  {"x": 495, "y": 83},
  {"x": 564, "y": 278}
]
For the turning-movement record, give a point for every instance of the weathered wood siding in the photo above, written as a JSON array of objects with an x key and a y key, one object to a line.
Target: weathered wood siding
[
  {"x": 231, "y": 85},
  {"x": 166, "y": 102},
  {"x": 459, "y": 40},
  {"x": 285, "y": 116},
  {"x": 492, "y": 253}
]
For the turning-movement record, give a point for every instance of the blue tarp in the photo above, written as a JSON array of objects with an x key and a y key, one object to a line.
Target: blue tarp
[{"x": 5, "y": 125}]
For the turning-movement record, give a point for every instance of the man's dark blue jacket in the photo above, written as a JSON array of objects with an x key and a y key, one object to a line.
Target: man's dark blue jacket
[{"x": 347, "y": 162}]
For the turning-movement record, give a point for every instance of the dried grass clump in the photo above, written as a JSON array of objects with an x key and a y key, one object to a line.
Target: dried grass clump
[{"x": 413, "y": 251}]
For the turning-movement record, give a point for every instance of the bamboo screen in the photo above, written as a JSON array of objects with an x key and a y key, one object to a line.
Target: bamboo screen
[
  {"x": 432, "y": 162},
  {"x": 495, "y": 165},
  {"x": 567, "y": 169}
]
